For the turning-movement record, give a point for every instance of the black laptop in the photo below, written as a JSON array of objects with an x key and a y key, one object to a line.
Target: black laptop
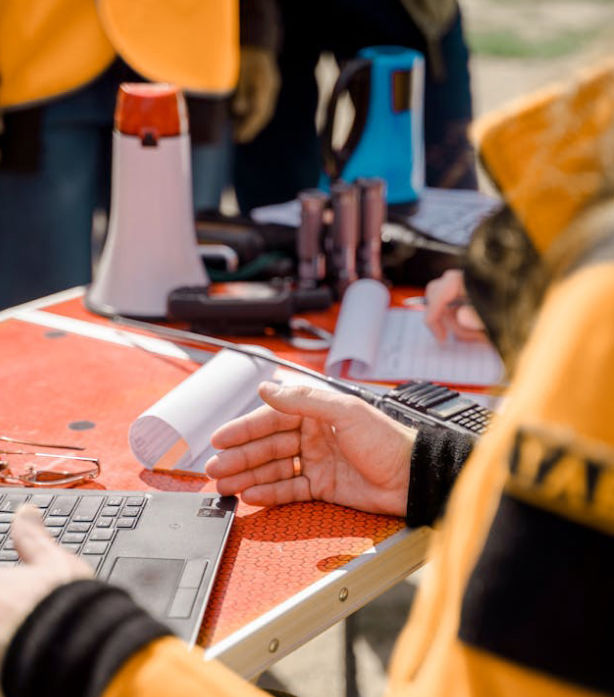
[{"x": 163, "y": 547}]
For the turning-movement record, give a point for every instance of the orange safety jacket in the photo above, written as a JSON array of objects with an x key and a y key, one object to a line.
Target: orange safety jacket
[
  {"x": 517, "y": 599},
  {"x": 50, "y": 47}
]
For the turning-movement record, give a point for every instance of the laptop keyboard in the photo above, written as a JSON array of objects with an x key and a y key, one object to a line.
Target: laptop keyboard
[{"x": 86, "y": 525}]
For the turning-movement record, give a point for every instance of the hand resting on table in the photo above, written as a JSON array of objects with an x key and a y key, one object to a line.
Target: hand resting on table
[{"x": 351, "y": 454}]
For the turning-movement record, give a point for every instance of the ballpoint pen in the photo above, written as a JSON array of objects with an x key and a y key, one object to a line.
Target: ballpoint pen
[{"x": 421, "y": 302}]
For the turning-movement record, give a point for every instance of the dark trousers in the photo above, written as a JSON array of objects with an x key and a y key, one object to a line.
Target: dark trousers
[{"x": 285, "y": 157}]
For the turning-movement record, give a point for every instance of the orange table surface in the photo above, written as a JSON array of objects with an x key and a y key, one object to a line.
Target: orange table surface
[
  {"x": 53, "y": 379},
  {"x": 74, "y": 308}
]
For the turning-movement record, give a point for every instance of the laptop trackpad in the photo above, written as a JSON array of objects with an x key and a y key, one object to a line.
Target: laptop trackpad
[{"x": 152, "y": 582}]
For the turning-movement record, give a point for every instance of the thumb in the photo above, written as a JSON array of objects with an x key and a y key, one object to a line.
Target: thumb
[
  {"x": 32, "y": 542},
  {"x": 241, "y": 99},
  {"x": 256, "y": 94},
  {"x": 301, "y": 400}
]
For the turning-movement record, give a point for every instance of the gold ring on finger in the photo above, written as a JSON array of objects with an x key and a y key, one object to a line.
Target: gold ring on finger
[{"x": 297, "y": 466}]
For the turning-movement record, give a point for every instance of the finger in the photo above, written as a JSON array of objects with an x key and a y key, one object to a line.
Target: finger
[
  {"x": 437, "y": 310},
  {"x": 463, "y": 333},
  {"x": 468, "y": 318},
  {"x": 240, "y": 103},
  {"x": 259, "y": 83},
  {"x": 253, "y": 454},
  {"x": 439, "y": 324},
  {"x": 269, "y": 473},
  {"x": 259, "y": 114},
  {"x": 439, "y": 294},
  {"x": 32, "y": 542},
  {"x": 243, "y": 129},
  {"x": 248, "y": 127},
  {"x": 331, "y": 407},
  {"x": 288, "y": 491},
  {"x": 468, "y": 335},
  {"x": 241, "y": 106},
  {"x": 259, "y": 423}
]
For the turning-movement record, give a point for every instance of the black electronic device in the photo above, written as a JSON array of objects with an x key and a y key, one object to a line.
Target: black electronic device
[
  {"x": 244, "y": 308},
  {"x": 249, "y": 311},
  {"x": 248, "y": 237},
  {"x": 411, "y": 403},
  {"x": 263, "y": 251},
  {"x": 409, "y": 258},
  {"x": 419, "y": 401}
]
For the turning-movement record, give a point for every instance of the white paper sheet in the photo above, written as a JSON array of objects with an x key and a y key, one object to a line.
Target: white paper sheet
[
  {"x": 451, "y": 215},
  {"x": 174, "y": 434},
  {"x": 395, "y": 344},
  {"x": 359, "y": 326},
  {"x": 287, "y": 213}
]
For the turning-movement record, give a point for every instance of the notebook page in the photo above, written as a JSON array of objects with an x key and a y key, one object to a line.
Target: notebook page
[
  {"x": 359, "y": 326},
  {"x": 407, "y": 350}
]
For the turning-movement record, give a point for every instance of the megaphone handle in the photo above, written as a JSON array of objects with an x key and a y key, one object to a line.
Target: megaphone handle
[{"x": 334, "y": 160}]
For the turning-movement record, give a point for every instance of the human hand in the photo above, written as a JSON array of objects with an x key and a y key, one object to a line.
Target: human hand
[
  {"x": 255, "y": 98},
  {"x": 351, "y": 453},
  {"x": 45, "y": 566},
  {"x": 441, "y": 314}
]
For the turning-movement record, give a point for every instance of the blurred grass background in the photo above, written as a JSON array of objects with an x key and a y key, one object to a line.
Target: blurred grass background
[{"x": 541, "y": 29}]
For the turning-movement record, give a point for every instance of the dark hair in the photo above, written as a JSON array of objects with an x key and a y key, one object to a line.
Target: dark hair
[
  {"x": 507, "y": 278},
  {"x": 504, "y": 275}
]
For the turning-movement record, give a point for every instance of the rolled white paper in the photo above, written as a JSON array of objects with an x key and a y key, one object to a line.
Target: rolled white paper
[
  {"x": 359, "y": 326},
  {"x": 175, "y": 433}
]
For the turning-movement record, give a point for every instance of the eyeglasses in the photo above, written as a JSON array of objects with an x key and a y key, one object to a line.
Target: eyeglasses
[
  {"x": 63, "y": 470},
  {"x": 60, "y": 470}
]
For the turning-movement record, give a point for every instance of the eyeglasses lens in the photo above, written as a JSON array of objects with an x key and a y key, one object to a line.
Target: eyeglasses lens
[{"x": 40, "y": 470}]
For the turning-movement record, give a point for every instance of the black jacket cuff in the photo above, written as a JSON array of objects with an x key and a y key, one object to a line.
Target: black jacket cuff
[
  {"x": 437, "y": 458},
  {"x": 75, "y": 640}
]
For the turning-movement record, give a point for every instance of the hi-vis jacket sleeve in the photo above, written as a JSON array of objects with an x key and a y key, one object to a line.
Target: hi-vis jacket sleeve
[
  {"x": 518, "y": 598},
  {"x": 167, "y": 666},
  {"x": 51, "y": 47},
  {"x": 88, "y": 638}
]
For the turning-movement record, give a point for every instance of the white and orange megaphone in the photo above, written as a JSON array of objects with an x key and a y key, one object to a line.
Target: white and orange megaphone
[{"x": 151, "y": 246}]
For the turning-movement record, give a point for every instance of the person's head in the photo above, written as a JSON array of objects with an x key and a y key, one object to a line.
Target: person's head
[{"x": 552, "y": 157}]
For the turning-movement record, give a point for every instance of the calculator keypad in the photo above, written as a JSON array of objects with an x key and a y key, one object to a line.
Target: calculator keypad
[
  {"x": 475, "y": 419},
  {"x": 443, "y": 405}
]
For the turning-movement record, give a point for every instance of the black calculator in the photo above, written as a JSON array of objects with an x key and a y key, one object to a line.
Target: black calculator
[{"x": 418, "y": 401}]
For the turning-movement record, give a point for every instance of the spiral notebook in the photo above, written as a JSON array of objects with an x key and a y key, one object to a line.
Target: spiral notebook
[{"x": 375, "y": 342}]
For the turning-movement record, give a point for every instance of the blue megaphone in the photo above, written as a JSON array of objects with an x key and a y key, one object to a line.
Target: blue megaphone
[{"x": 386, "y": 86}]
